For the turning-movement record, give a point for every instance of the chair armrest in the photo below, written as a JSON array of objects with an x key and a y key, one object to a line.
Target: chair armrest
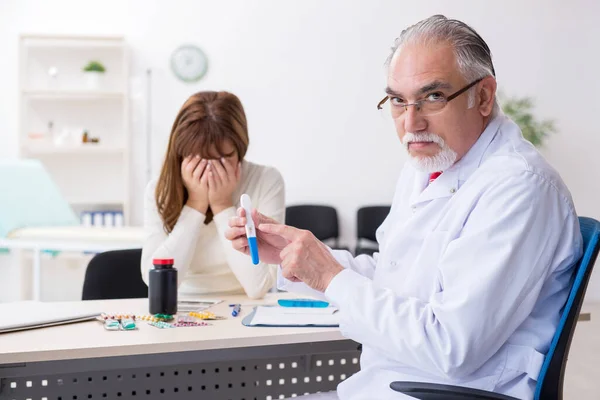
[{"x": 434, "y": 391}]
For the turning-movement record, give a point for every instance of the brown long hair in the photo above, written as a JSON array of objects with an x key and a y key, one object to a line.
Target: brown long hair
[{"x": 206, "y": 121}]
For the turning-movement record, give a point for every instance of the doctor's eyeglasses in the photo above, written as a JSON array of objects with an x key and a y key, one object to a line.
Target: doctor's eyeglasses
[{"x": 432, "y": 104}]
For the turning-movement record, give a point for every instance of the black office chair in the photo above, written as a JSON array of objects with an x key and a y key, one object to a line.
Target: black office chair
[
  {"x": 322, "y": 221},
  {"x": 368, "y": 219},
  {"x": 550, "y": 381},
  {"x": 114, "y": 275}
]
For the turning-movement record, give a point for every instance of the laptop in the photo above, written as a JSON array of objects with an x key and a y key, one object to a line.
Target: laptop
[{"x": 24, "y": 315}]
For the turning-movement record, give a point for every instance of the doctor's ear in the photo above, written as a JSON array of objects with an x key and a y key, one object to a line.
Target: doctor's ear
[{"x": 486, "y": 95}]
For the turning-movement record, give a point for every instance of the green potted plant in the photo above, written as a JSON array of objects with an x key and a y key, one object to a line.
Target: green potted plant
[
  {"x": 94, "y": 72},
  {"x": 520, "y": 110}
]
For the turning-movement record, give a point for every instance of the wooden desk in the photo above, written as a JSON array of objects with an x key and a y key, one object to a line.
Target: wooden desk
[
  {"x": 584, "y": 316},
  {"x": 223, "y": 361}
]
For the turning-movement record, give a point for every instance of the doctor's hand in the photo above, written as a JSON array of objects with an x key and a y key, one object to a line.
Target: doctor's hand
[
  {"x": 269, "y": 246},
  {"x": 223, "y": 178},
  {"x": 305, "y": 258},
  {"x": 195, "y": 181}
]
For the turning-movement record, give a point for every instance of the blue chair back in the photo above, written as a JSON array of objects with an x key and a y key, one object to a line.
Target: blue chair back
[{"x": 550, "y": 380}]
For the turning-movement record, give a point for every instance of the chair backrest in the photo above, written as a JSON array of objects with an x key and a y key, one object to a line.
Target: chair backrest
[
  {"x": 368, "y": 219},
  {"x": 322, "y": 221},
  {"x": 114, "y": 275},
  {"x": 550, "y": 380}
]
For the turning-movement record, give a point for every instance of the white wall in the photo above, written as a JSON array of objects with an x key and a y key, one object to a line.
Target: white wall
[{"x": 309, "y": 73}]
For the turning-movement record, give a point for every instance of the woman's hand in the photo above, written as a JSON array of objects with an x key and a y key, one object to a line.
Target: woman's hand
[
  {"x": 195, "y": 179},
  {"x": 223, "y": 178}
]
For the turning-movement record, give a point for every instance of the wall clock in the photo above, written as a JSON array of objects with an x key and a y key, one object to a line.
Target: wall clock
[{"x": 189, "y": 63}]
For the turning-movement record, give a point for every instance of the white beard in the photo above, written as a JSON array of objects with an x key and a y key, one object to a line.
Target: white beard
[{"x": 439, "y": 162}]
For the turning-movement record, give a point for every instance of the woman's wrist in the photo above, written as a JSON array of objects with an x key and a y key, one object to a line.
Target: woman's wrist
[
  {"x": 200, "y": 206},
  {"x": 217, "y": 208}
]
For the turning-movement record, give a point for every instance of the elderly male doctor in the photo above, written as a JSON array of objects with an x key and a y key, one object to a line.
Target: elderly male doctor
[{"x": 477, "y": 251}]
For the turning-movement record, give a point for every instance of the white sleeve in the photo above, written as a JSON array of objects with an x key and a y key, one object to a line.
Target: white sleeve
[
  {"x": 180, "y": 244},
  {"x": 495, "y": 268},
  {"x": 256, "y": 280}
]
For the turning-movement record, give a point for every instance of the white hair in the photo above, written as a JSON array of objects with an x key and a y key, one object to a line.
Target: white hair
[{"x": 473, "y": 55}]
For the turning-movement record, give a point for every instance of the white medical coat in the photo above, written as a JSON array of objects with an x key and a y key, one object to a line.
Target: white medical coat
[{"x": 472, "y": 272}]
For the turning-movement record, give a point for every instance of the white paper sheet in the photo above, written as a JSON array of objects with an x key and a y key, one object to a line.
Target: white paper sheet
[{"x": 296, "y": 316}]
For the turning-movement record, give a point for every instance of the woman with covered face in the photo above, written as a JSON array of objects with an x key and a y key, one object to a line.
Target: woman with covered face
[{"x": 188, "y": 207}]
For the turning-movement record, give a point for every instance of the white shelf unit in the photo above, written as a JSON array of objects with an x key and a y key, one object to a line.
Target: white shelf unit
[
  {"x": 71, "y": 94},
  {"x": 57, "y": 105}
]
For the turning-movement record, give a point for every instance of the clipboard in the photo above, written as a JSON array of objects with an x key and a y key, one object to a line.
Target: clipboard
[{"x": 307, "y": 319}]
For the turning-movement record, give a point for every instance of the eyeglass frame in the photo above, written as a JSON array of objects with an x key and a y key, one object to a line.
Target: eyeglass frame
[{"x": 419, "y": 104}]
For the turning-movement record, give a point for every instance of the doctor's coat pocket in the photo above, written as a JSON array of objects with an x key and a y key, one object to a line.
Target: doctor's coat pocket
[{"x": 425, "y": 270}]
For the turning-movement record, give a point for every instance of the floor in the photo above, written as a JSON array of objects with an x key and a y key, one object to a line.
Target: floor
[{"x": 582, "y": 377}]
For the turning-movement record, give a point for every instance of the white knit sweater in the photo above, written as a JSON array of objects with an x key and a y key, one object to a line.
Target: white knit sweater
[{"x": 204, "y": 258}]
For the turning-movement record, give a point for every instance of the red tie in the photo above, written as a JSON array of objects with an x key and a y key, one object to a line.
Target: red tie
[{"x": 433, "y": 176}]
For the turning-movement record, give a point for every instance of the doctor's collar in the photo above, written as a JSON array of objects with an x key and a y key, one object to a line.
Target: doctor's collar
[{"x": 472, "y": 160}]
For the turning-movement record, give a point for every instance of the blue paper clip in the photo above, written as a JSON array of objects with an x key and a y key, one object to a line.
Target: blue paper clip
[{"x": 302, "y": 303}]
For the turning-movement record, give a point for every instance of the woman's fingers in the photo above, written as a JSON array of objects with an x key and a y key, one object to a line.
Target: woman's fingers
[
  {"x": 219, "y": 171},
  {"x": 200, "y": 167}
]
